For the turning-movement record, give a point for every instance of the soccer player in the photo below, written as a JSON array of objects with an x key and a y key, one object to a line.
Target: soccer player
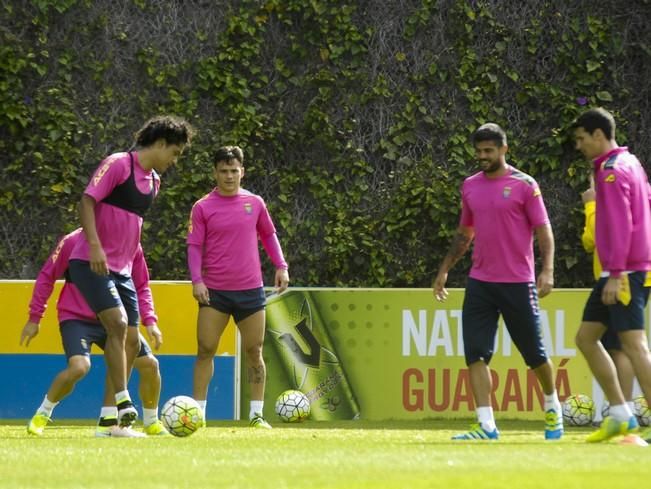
[
  {"x": 224, "y": 263},
  {"x": 502, "y": 209},
  {"x": 623, "y": 240},
  {"x": 111, "y": 211},
  {"x": 610, "y": 341},
  {"x": 79, "y": 329}
]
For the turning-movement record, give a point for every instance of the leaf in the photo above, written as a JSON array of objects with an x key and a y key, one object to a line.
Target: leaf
[{"x": 604, "y": 96}]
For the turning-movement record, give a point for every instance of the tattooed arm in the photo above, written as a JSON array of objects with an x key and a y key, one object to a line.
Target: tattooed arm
[{"x": 460, "y": 244}]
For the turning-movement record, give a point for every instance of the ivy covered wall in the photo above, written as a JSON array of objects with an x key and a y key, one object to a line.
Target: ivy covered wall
[{"x": 354, "y": 116}]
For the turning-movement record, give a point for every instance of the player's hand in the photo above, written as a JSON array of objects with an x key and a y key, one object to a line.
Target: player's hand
[
  {"x": 155, "y": 335},
  {"x": 545, "y": 283},
  {"x": 589, "y": 195},
  {"x": 97, "y": 259},
  {"x": 438, "y": 287},
  {"x": 200, "y": 293},
  {"x": 281, "y": 281},
  {"x": 610, "y": 291},
  {"x": 30, "y": 330}
]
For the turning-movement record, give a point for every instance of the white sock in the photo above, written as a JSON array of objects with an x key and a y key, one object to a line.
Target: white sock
[
  {"x": 256, "y": 408},
  {"x": 108, "y": 412},
  {"x": 202, "y": 405},
  {"x": 122, "y": 396},
  {"x": 46, "y": 407},
  {"x": 149, "y": 416},
  {"x": 486, "y": 418},
  {"x": 552, "y": 402},
  {"x": 621, "y": 412}
]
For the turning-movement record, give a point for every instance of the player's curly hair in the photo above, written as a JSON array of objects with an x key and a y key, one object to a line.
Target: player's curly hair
[{"x": 174, "y": 130}]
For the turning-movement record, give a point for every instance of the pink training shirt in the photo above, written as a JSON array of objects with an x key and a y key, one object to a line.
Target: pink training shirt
[
  {"x": 623, "y": 216},
  {"x": 118, "y": 229},
  {"x": 71, "y": 303},
  {"x": 503, "y": 211},
  {"x": 223, "y": 241}
]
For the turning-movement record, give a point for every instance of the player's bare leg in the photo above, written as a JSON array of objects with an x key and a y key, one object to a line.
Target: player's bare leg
[
  {"x": 210, "y": 326},
  {"x": 114, "y": 321},
  {"x": 252, "y": 331}
]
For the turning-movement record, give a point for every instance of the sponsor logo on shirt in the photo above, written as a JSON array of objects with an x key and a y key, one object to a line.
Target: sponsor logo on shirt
[
  {"x": 536, "y": 192},
  {"x": 248, "y": 208},
  {"x": 102, "y": 171},
  {"x": 610, "y": 178},
  {"x": 506, "y": 192}
]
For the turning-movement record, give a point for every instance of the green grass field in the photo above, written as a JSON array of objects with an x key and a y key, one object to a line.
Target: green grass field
[{"x": 350, "y": 455}]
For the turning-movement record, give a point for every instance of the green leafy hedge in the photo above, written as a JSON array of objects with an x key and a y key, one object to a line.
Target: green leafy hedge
[{"x": 354, "y": 116}]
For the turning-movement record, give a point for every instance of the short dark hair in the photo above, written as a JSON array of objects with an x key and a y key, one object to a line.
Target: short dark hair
[
  {"x": 228, "y": 153},
  {"x": 597, "y": 118},
  {"x": 490, "y": 132},
  {"x": 174, "y": 130}
]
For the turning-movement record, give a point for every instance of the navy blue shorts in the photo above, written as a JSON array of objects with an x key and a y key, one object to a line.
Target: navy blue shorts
[
  {"x": 104, "y": 292},
  {"x": 238, "y": 303},
  {"x": 518, "y": 304},
  {"x": 618, "y": 317},
  {"x": 610, "y": 340},
  {"x": 78, "y": 336}
]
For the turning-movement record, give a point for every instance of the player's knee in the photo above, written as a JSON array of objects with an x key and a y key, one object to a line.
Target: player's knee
[
  {"x": 147, "y": 365},
  {"x": 78, "y": 368},
  {"x": 206, "y": 351},
  {"x": 254, "y": 353}
]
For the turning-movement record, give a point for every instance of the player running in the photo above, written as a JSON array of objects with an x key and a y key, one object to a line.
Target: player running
[{"x": 79, "y": 329}]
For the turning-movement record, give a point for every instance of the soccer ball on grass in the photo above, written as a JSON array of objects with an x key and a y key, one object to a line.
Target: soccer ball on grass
[
  {"x": 292, "y": 406},
  {"x": 578, "y": 410},
  {"x": 182, "y": 416}
]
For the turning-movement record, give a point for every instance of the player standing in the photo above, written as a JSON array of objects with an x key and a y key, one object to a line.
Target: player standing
[
  {"x": 111, "y": 213},
  {"x": 224, "y": 263},
  {"x": 501, "y": 210},
  {"x": 623, "y": 240}
]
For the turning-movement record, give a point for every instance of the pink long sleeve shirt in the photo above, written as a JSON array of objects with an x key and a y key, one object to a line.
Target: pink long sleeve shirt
[
  {"x": 623, "y": 216},
  {"x": 223, "y": 241},
  {"x": 71, "y": 304}
]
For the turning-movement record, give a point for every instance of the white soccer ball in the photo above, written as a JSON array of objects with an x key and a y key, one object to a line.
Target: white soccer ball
[
  {"x": 292, "y": 406},
  {"x": 182, "y": 416},
  {"x": 578, "y": 410},
  {"x": 642, "y": 411}
]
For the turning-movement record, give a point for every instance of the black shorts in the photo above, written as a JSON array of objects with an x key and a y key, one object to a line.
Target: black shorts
[
  {"x": 78, "y": 336},
  {"x": 238, "y": 303},
  {"x": 105, "y": 291},
  {"x": 518, "y": 304},
  {"x": 618, "y": 317}
]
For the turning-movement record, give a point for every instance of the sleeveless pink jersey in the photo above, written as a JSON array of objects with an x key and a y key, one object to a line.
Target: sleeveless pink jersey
[
  {"x": 504, "y": 212},
  {"x": 118, "y": 229},
  {"x": 71, "y": 303},
  {"x": 226, "y": 230}
]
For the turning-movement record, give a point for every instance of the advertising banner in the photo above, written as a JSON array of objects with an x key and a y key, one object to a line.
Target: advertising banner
[{"x": 398, "y": 354}]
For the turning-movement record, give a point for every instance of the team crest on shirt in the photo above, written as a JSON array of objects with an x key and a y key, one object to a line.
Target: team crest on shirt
[
  {"x": 506, "y": 192},
  {"x": 248, "y": 208}
]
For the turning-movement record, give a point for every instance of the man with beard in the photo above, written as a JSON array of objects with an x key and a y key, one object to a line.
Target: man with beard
[{"x": 502, "y": 209}]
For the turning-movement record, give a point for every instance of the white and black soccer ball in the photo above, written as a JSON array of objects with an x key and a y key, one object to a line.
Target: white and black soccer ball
[
  {"x": 182, "y": 416},
  {"x": 578, "y": 410},
  {"x": 292, "y": 406},
  {"x": 642, "y": 411}
]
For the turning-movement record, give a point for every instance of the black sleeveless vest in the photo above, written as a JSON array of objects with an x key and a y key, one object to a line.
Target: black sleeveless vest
[{"x": 127, "y": 196}]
